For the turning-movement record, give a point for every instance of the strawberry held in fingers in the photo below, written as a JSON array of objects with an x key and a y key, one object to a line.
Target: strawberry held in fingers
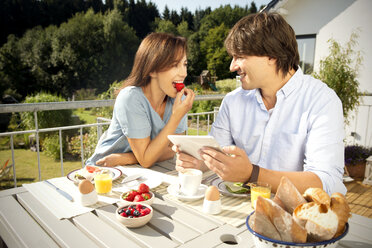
[{"x": 179, "y": 86}]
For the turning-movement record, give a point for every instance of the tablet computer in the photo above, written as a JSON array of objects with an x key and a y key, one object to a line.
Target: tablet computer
[{"x": 191, "y": 144}]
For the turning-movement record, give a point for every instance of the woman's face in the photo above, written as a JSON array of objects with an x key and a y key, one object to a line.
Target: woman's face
[{"x": 175, "y": 74}]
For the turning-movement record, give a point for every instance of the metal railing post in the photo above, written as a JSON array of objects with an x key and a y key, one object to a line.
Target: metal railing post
[
  {"x": 61, "y": 151},
  {"x": 82, "y": 147},
  {"x": 197, "y": 125},
  {"x": 208, "y": 123},
  {"x": 37, "y": 144},
  {"x": 13, "y": 161}
]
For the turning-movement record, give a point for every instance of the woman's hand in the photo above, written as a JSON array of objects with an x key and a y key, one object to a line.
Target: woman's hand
[
  {"x": 182, "y": 107},
  {"x": 116, "y": 159},
  {"x": 185, "y": 161}
]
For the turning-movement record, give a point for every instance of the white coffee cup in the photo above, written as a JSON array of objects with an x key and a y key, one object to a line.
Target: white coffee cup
[{"x": 190, "y": 180}]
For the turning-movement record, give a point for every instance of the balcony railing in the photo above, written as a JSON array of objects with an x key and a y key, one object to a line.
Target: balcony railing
[
  {"x": 358, "y": 131},
  {"x": 37, "y": 107}
]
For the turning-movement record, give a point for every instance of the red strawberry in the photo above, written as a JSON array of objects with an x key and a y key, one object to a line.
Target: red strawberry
[
  {"x": 138, "y": 198},
  {"x": 124, "y": 214},
  {"x": 145, "y": 211},
  {"x": 138, "y": 207},
  {"x": 143, "y": 188},
  {"x": 146, "y": 196},
  {"x": 130, "y": 195},
  {"x": 179, "y": 86}
]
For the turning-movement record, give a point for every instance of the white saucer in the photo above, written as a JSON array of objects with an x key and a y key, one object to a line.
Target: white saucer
[
  {"x": 173, "y": 190},
  {"x": 347, "y": 179}
]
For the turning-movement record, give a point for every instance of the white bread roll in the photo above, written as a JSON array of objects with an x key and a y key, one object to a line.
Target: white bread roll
[
  {"x": 287, "y": 196},
  {"x": 318, "y": 219},
  {"x": 317, "y": 195},
  {"x": 287, "y": 228},
  {"x": 340, "y": 206}
]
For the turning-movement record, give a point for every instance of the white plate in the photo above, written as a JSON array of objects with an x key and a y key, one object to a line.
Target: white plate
[
  {"x": 173, "y": 190},
  {"x": 115, "y": 173},
  {"x": 149, "y": 179},
  {"x": 220, "y": 184}
]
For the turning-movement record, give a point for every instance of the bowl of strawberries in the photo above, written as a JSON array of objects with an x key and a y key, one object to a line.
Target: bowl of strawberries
[
  {"x": 134, "y": 215},
  {"x": 141, "y": 195}
]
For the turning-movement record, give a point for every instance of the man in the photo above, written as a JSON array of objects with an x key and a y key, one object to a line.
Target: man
[{"x": 280, "y": 122}]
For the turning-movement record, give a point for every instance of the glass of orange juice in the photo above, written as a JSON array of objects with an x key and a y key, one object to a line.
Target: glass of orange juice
[
  {"x": 259, "y": 188},
  {"x": 103, "y": 183}
]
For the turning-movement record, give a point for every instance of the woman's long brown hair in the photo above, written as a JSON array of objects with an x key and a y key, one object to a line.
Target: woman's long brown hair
[{"x": 157, "y": 52}]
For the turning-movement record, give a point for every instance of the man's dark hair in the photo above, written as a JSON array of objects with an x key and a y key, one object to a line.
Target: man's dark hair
[{"x": 265, "y": 34}]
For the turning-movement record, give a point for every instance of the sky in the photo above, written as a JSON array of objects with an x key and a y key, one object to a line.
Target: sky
[{"x": 192, "y": 5}]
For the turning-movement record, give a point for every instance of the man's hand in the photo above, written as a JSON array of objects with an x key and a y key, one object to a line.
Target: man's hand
[
  {"x": 187, "y": 161},
  {"x": 232, "y": 164}
]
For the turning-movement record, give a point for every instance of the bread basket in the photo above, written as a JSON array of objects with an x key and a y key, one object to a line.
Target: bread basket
[{"x": 261, "y": 241}]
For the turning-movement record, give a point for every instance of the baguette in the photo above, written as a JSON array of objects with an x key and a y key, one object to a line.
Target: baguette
[
  {"x": 288, "y": 229},
  {"x": 318, "y": 219},
  {"x": 287, "y": 196},
  {"x": 340, "y": 206},
  {"x": 261, "y": 224},
  {"x": 317, "y": 195}
]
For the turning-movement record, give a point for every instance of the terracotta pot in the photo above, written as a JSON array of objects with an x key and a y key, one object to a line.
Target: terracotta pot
[{"x": 356, "y": 170}]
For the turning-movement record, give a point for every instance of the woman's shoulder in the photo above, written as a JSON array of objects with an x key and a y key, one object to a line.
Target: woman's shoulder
[{"x": 129, "y": 93}]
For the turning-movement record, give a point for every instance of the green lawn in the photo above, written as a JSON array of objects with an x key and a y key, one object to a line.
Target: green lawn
[
  {"x": 85, "y": 115},
  {"x": 192, "y": 131},
  {"x": 27, "y": 168}
]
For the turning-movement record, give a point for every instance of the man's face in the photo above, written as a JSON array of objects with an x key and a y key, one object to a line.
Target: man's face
[{"x": 254, "y": 71}]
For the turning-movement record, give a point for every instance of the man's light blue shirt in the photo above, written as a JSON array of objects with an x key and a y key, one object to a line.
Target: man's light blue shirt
[
  {"x": 303, "y": 132},
  {"x": 134, "y": 118}
]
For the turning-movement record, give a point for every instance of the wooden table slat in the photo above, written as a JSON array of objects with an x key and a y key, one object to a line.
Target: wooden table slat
[
  {"x": 185, "y": 217},
  {"x": 212, "y": 238},
  {"x": 21, "y": 230},
  {"x": 175, "y": 230},
  {"x": 12, "y": 191},
  {"x": 102, "y": 233},
  {"x": 146, "y": 236},
  {"x": 65, "y": 233}
]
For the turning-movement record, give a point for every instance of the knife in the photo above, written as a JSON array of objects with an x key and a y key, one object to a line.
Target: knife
[
  {"x": 131, "y": 178},
  {"x": 63, "y": 193}
]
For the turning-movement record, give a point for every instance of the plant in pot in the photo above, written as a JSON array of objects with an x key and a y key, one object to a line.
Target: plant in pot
[{"x": 355, "y": 160}]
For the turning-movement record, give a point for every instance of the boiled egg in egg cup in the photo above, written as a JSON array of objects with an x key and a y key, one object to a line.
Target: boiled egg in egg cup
[
  {"x": 212, "y": 201},
  {"x": 88, "y": 194}
]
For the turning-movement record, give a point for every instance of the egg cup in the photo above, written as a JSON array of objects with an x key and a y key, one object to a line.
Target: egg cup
[
  {"x": 212, "y": 207},
  {"x": 89, "y": 199}
]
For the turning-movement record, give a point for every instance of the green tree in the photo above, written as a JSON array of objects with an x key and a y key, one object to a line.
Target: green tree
[
  {"x": 166, "y": 13},
  {"x": 89, "y": 51},
  {"x": 339, "y": 70},
  {"x": 46, "y": 119},
  {"x": 213, "y": 46},
  {"x": 253, "y": 8},
  {"x": 165, "y": 26},
  {"x": 141, "y": 16},
  {"x": 183, "y": 29},
  {"x": 200, "y": 57}
]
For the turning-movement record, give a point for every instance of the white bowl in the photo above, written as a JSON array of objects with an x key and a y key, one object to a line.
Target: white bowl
[
  {"x": 261, "y": 241},
  {"x": 123, "y": 202},
  {"x": 134, "y": 222}
]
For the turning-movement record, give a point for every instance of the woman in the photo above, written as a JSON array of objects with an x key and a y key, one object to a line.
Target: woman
[{"x": 148, "y": 108}]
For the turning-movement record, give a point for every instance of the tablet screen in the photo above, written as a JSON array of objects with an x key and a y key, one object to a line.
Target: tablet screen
[{"x": 191, "y": 144}]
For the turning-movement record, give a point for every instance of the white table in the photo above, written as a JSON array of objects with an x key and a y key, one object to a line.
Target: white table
[{"x": 25, "y": 222}]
